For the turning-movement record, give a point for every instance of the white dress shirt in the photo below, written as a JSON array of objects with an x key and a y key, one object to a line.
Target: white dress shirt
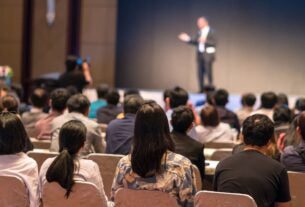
[
  {"x": 24, "y": 167},
  {"x": 86, "y": 170},
  {"x": 203, "y": 34}
]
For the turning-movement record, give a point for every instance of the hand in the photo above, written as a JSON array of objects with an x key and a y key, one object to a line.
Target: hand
[
  {"x": 85, "y": 66},
  {"x": 184, "y": 37}
]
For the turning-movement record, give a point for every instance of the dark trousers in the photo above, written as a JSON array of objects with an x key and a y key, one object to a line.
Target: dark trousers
[{"x": 204, "y": 68}]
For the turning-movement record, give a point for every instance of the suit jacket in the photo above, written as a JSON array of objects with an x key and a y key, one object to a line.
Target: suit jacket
[
  {"x": 191, "y": 149},
  {"x": 108, "y": 113},
  {"x": 93, "y": 141},
  {"x": 210, "y": 42}
]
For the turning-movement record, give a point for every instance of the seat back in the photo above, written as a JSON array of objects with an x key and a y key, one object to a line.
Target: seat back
[
  {"x": 219, "y": 199},
  {"x": 107, "y": 164},
  {"x": 13, "y": 192},
  {"x": 217, "y": 145},
  {"x": 296, "y": 185},
  {"x": 198, "y": 181},
  {"x": 139, "y": 198},
  {"x": 82, "y": 194},
  {"x": 41, "y": 144},
  {"x": 221, "y": 154},
  {"x": 40, "y": 156}
]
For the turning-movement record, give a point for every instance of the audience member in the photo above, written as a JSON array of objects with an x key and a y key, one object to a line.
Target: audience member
[
  {"x": 78, "y": 108},
  {"x": 247, "y": 101},
  {"x": 58, "y": 101},
  {"x": 131, "y": 91},
  {"x": 112, "y": 110},
  {"x": 166, "y": 96},
  {"x": 251, "y": 171},
  {"x": 221, "y": 99},
  {"x": 39, "y": 100},
  {"x": 120, "y": 131},
  {"x": 299, "y": 106},
  {"x": 68, "y": 166},
  {"x": 102, "y": 91},
  {"x": 13, "y": 161},
  {"x": 9, "y": 103},
  {"x": 282, "y": 100},
  {"x": 268, "y": 103},
  {"x": 182, "y": 122},
  {"x": 282, "y": 117},
  {"x": 152, "y": 165},
  {"x": 293, "y": 157},
  {"x": 211, "y": 129}
]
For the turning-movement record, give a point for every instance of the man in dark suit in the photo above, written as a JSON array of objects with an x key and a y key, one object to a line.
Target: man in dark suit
[
  {"x": 206, "y": 48},
  {"x": 182, "y": 121}
]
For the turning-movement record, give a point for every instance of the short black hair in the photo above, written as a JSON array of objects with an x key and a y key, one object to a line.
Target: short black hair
[
  {"x": 182, "y": 119},
  {"x": 282, "y": 115},
  {"x": 9, "y": 103},
  {"x": 257, "y": 130},
  {"x": 248, "y": 99},
  {"x": 71, "y": 63},
  {"x": 131, "y": 91},
  {"x": 39, "y": 98},
  {"x": 78, "y": 103},
  {"x": 178, "y": 97},
  {"x": 132, "y": 103},
  {"x": 59, "y": 98},
  {"x": 12, "y": 134},
  {"x": 166, "y": 94},
  {"x": 268, "y": 100},
  {"x": 300, "y": 104},
  {"x": 282, "y": 99},
  {"x": 113, "y": 97},
  {"x": 221, "y": 97},
  {"x": 102, "y": 91}
]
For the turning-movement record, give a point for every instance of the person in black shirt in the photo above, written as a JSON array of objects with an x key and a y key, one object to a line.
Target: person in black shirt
[
  {"x": 251, "y": 171},
  {"x": 182, "y": 121}
]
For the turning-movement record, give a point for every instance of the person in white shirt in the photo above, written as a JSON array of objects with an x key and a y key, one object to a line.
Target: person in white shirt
[
  {"x": 211, "y": 129},
  {"x": 206, "y": 47},
  {"x": 268, "y": 103},
  {"x": 68, "y": 166},
  {"x": 13, "y": 161}
]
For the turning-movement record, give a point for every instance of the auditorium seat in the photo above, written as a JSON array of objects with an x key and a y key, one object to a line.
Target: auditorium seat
[
  {"x": 139, "y": 198},
  {"x": 83, "y": 194},
  {"x": 219, "y": 199},
  {"x": 198, "y": 181},
  {"x": 41, "y": 156},
  {"x": 217, "y": 145},
  {"x": 296, "y": 185},
  {"x": 221, "y": 154},
  {"x": 107, "y": 164},
  {"x": 13, "y": 192},
  {"x": 41, "y": 144}
]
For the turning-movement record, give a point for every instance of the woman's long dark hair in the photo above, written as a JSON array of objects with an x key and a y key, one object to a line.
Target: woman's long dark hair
[
  {"x": 72, "y": 137},
  {"x": 151, "y": 140}
]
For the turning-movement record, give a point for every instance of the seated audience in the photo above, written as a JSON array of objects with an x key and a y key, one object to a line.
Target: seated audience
[
  {"x": 299, "y": 106},
  {"x": 120, "y": 131},
  {"x": 221, "y": 98},
  {"x": 13, "y": 160},
  {"x": 152, "y": 164},
  {"x": 211, "y": 129},
  {"x": 39, "y": 100},
  {"x": 282, "y": 100},
  {"x": 58, "y": 101},
  {"x": 251, "y": 171},
  {"x": 68, "y": 166},
  {"x": 247, "y": 101},
  {"x": 166, "y": 96},
  {"x": 9, "y": 103},
  {"x": 108, "y": 113},
  {"x": 78, "y": 108},
  {"x": 268, "y": 103},
  {"x": 182, "y": 122},
  {"x": 102, "y": 91},
  {"x": 282, "y": 117},
  {"x": 293, "y": 157}
]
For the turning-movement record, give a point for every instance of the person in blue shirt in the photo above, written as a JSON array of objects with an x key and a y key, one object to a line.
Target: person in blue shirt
[{"x": 102, "y": 91}]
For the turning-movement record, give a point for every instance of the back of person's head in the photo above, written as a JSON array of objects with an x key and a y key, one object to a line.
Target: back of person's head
[
  {"x": 12, "y": 134},
  {"x": 102, "y": 91},
  {"x": 18, "y": 90},
  {"x": 78, "y": 103},
  {"x": 71, "y": 63},
  {"x": 282, "y": 99},
  {"x": 301, "y": 124},
  {"x": 39, "y": 98},
  {"x": 182, "y": 119},
  {"x": 282, "y": 115},
  {"x": 257, "y": 130},
  {"x": 72, "y": 90},
  {"x": 151, "y": 140},
  {"x": 209, "y": 116},
  {"x": 131, "y": 91},
  {"x": 221, "y": 97},
  {"x": 300, "y": 104},
  {"x": 178, "y": 97},
  {"x": 248, "y": 99},
  {"x": 72, "y": 138},
  {"x": 9, "y": 103},
  {"x": 59, "y": 98},
  {"x": 166, "y": 94},
  {"x": 268, "y": 100},
  {"x": 132, "y": 103},
  {"x": 210, "y": 98},
  {"x": 113, "y": 97}
]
